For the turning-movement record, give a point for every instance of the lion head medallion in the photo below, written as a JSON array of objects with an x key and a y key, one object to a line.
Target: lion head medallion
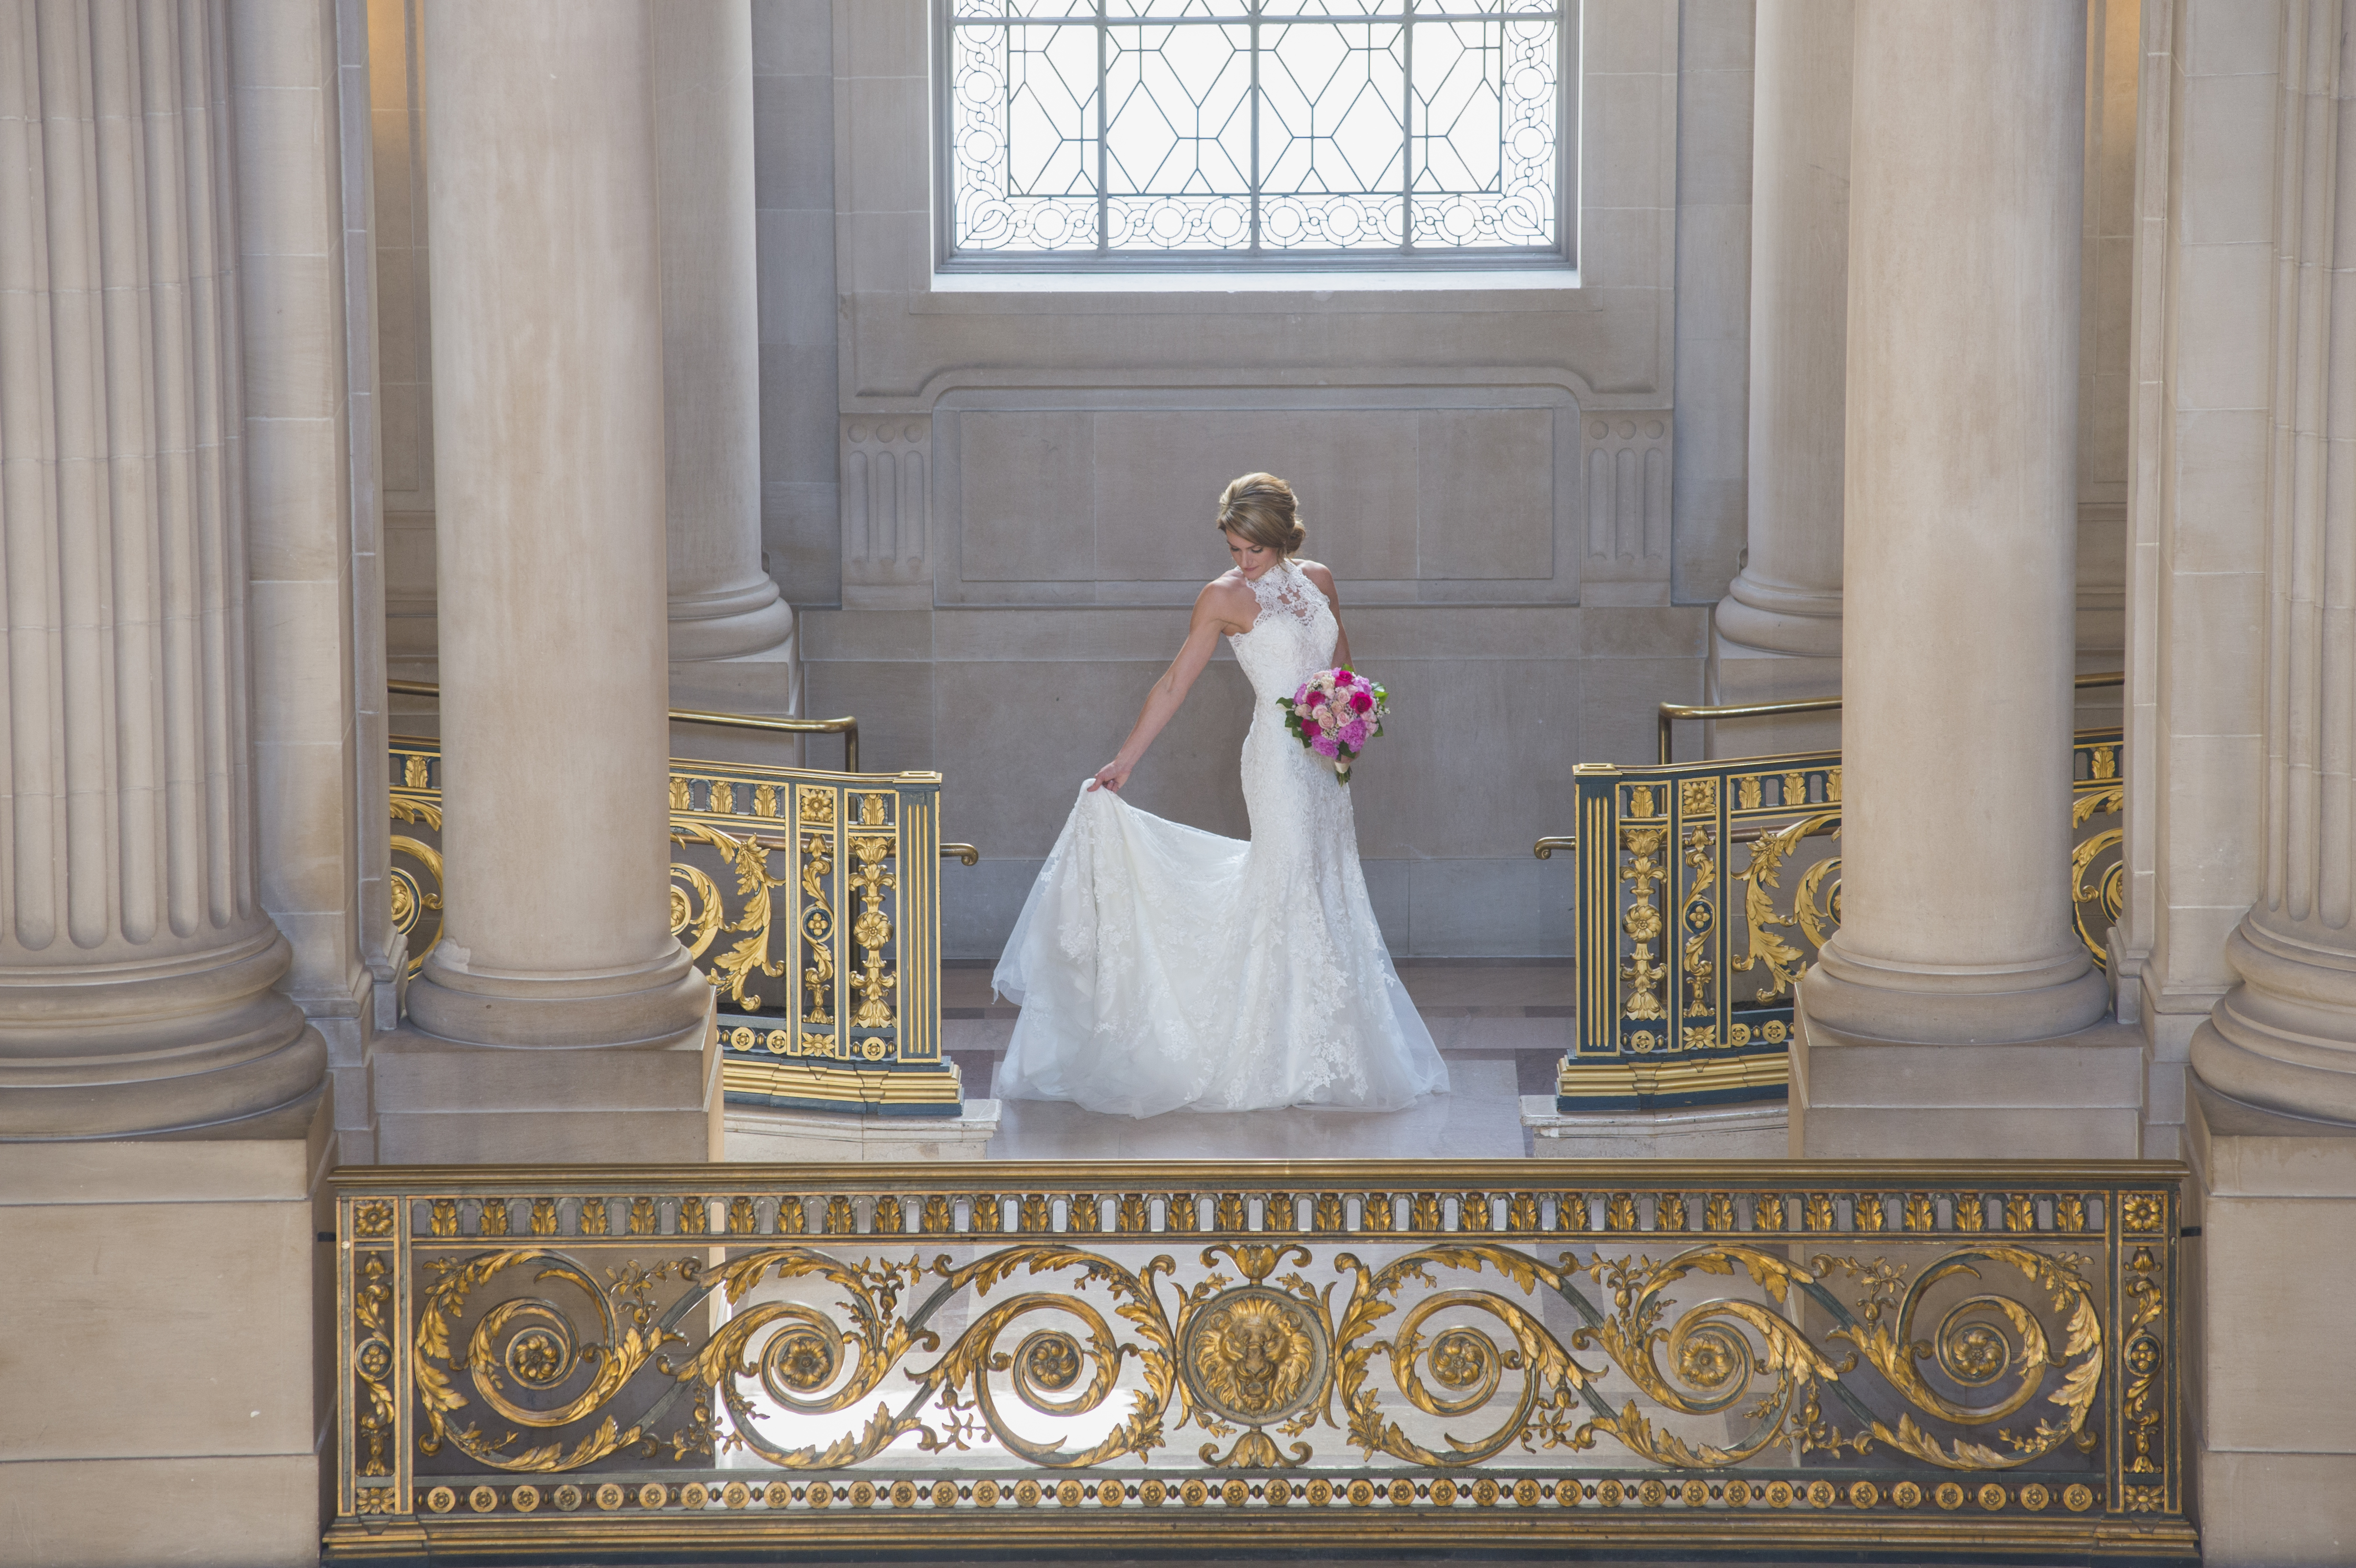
[{"x": 1253, "y": 1355}]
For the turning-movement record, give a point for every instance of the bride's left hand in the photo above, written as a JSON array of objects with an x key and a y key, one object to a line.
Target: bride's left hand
[{"x": 1112, "y": 775}]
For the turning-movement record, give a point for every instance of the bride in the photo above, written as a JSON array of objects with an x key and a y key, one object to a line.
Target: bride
[{"x": 1160, "y": 967}]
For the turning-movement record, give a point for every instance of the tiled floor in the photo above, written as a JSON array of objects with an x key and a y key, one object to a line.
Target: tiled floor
[{"x": 1500, "y": 1025}]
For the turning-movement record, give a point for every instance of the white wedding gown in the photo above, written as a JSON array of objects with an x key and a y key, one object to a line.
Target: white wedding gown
[{"x": 1160, "y": 967}]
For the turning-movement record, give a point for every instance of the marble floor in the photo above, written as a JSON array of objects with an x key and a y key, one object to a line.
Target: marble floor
[{"x": 1500, "y": 1025}]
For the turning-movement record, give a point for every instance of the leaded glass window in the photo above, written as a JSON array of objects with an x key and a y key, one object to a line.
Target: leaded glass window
[{"x": 1225, "y": 133}]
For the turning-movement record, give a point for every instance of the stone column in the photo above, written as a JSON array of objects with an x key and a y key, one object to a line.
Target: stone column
[
  {"x": 136, "y": 964},
  {"x": 721, "y": 604},
  {"x": 1958, "y": 644},
  {"x": 548, "y": 431},
  {"x": 2284, "y": 1038},
  {"x": 1778, "y": 630}
]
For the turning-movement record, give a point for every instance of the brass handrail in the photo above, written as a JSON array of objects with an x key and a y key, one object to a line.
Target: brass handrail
[
  {"x": 847, "y": 727},
  {"x": 1670, "y": 712}
]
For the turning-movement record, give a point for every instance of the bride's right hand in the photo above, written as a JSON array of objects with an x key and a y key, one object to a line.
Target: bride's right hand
[{"x": 1112, "y": 775}]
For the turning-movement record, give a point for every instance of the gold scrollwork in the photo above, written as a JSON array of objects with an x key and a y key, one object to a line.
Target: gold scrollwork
[
  {"x": 748, "y": 857},
  {"x": 1968, "y": 1355},
  {"x": 2097, "y": 869},
  {"x": 1781, "y": 959}
]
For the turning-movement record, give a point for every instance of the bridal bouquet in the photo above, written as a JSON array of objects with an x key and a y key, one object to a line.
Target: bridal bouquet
[{"x": 1335, "y": 713}]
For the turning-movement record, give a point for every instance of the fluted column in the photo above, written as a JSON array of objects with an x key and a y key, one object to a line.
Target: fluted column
[
  {"x": 722, "y": 604},
  {"x": 547, "y": 430},
  {"x": 136, "y": 964},
  {"x": 1960, "y": 526},
  {"x": 1787, "y": 597},
  {"x": 2286, "y": 1036}
]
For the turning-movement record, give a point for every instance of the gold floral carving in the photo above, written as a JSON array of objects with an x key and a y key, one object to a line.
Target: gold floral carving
[
  {"x": 1425, "y": 1337},
  {"x": 1783, "y": 961}
]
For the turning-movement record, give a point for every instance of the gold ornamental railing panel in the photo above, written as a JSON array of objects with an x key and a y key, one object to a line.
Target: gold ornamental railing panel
[
  {"x": 1703, "y": 891},
  {"x": 735, "y": 1362},
  {"x": 808, "y": 899}
]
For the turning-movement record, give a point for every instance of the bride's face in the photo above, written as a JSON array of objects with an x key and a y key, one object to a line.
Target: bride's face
[{"x": 1251, "y": 560}]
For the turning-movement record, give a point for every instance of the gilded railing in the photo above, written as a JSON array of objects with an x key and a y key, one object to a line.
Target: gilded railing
[
  {"x": 735, "y": 1361},
  {"x": 1704, "y": 889},
  {"x": 808, "y": 899}
]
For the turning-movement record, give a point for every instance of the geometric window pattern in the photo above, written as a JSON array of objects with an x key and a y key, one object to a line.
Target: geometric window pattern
[{"x": 1369, "y": 129}]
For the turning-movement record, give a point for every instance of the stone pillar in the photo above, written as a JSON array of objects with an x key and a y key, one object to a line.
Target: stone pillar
[
  {"x": 1777, "y": 633},
  {"x": 2284, "y": 1038},
  {"x": 136, "y": 964},
  {"x": 548, "y": 432},
  {"x": 310, "y": 483},
  {"x": 2256, "y": 630},
  {"x": 137, "y": 960},
  {"x": 721, "y": 604},
  {"x": 1958, "y": 644}
]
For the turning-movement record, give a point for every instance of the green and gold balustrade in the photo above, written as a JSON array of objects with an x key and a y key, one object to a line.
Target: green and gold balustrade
[
  {"x": 739, "y": 1362},
  {"x": 808, "y": 899},
  {"x": 1704, "y": 890}
]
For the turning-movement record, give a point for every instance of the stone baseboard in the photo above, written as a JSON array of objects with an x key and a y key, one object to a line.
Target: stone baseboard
[
  {"x": 754, "y": 1135},
  {"x": 1732, "y": 1132}
]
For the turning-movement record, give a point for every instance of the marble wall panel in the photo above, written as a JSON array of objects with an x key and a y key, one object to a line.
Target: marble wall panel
[
  {"x": 1158, "y": 476},
  {"x": 1476, "y": 762},
  {"x": 1026, "y": 493},
  {"x": 893, "y": 704},
  {"x": 1472, "y": 502},
  {"x": 1484, "y": 493}
]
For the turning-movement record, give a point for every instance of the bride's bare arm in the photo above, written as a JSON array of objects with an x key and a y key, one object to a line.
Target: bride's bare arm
[
  {"x": 1216, "y": 611},
  {"x": 1323, "y": 579}
]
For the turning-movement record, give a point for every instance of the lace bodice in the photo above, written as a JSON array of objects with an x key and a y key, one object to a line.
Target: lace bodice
[{"x": 1291, "y": 638}]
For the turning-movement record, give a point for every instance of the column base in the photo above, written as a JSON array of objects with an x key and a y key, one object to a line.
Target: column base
[
  {"x": 2072, "y": 1097},
  {"x": 127, "y": 1050},
  {"x": 755, "y": 1135},
  {"x": 2271, "y": 1274},
  {"x": 749, "y": 620},
  {"x": 443, "y": 1103},
  {"x": 664, "y": 1005},
  {"x": 193, "y": 1293},
  {"x": 1732, "y": 1132},
  {"x": 2286, "y": 1038},
  {"x": 1957, "y": 1006}
]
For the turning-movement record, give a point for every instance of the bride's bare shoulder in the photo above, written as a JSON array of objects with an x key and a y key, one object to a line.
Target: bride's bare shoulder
[
  {"x": 1229, "y": 600},
  {"x": 1318, "y": 573}
]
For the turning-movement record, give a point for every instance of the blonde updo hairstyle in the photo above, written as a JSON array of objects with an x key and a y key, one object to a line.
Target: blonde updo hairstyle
[{"x": 1259, "y": 508}]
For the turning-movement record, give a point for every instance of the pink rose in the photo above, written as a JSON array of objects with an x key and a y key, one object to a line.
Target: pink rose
[
  {"x": 1354, "y": 734},
  {"x": 1327, "y": 746},
  {"x": 1344, "y": 677},
  {"x": 1361, "y": 701},
  {"x": 1311, "y": 727}
]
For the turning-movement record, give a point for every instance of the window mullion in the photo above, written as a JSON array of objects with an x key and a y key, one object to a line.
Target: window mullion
[
  {"x": 1104, "y": 125},
  {"x": 1256, "y": 174},
  {"x": 1406, "y": 129}
]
